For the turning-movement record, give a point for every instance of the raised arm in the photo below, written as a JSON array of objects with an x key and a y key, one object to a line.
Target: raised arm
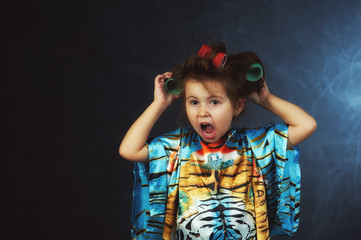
[
  {"x": 133, "y": 146},
  {"x": 301, "y": 124}
]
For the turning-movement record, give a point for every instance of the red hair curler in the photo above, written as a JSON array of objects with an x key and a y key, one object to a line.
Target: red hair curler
[
  {"x": 220, "y": 60},
  {"x": 204, "y": 51}
]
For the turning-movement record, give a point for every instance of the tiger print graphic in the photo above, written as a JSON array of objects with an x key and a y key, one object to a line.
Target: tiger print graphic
[
  {"x": 216, "y": 195},
  {"x": 247, "y": 187},
  {"x": 218, "y": 218}
]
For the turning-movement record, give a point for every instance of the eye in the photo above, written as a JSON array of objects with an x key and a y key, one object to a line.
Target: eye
[
  {"x": 215, "y": 102},
  {"x": 193, "y": 102}
]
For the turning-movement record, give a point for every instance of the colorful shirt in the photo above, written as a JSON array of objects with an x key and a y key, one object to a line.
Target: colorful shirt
[{"x": 245, "y": 187}]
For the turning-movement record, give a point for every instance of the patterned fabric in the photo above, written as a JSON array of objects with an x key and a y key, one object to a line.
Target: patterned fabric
[{"x": 245, "y": 188}]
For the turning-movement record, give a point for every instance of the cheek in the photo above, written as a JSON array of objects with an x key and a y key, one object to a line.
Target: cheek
[
  {"x": 189, "y": 114},
  {"x": 226, "y": 117},
  {"x": 187, "y": 111}
]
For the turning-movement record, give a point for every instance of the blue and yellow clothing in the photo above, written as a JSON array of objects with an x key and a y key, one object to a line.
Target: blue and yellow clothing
[{"x": 247, "y": 186}]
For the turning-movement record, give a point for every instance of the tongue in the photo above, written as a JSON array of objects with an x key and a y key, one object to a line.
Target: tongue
[{"x": 208, "y": 129}]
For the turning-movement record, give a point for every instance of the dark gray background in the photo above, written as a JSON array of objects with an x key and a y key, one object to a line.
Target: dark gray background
[{"x": 76, "y": 74}]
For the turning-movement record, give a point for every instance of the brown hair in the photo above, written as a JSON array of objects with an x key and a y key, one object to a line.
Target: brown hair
[
  {"x": 202, "y": 69},
  {"x": 238, "y": 66},
  {"x": 232, "y": 75}
]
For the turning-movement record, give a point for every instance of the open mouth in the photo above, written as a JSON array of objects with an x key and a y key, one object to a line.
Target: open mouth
[{"x": 207, "y": 130}]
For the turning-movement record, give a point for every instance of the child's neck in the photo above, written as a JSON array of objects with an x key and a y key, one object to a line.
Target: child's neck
[{"x": 216, "y": 144}]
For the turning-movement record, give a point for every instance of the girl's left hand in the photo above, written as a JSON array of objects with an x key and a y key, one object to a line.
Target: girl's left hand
[{"x": 261, "y": 95}]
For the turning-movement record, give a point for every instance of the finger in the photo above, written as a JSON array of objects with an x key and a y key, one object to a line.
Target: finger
[
  {"x": 159, "y": 77},
  {"x": 178, "y": 96},
  {"x": 168, "y": 74}
]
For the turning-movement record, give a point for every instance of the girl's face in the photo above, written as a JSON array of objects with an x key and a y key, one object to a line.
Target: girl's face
[{"x": 209, "y": 109}]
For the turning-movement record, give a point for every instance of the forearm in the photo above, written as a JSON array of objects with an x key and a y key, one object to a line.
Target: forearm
[
  {"x": 301, "y": 124},
  {"x": 133, "y": 146}
]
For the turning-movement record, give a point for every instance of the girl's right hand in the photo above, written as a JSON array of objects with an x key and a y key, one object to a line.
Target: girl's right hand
[
  {"x": 161, "y": 96},
  {"x": 134, "y": 144}
]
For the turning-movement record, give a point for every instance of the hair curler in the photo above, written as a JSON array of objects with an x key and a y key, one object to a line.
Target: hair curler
[
  {"x": 204, "y": 51},
  {"x": 173, "y": 86},
  {"x": 254, "y": 73},
  {"x": 220, "y": 60}
]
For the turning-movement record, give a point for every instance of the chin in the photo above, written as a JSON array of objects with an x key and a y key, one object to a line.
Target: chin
[{"x": 209, "y": 140}]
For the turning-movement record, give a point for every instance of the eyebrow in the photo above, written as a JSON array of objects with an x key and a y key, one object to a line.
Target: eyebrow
[
  {"x": 190, "y": 97},
  {"x": 213, "y": 96}
]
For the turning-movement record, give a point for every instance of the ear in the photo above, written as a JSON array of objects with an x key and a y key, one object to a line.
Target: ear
[{"x": 239, "y": 106}]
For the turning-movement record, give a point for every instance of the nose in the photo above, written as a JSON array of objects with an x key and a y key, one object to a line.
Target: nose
[{"x": 203, "y": 111}]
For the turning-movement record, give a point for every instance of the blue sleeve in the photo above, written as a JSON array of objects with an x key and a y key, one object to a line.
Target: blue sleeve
[
  {"x": 282, "y": 176},
  {"x": 140, "y": 208},
  {"x": 150, "y": 187},
  {"x": 160, "y": 151}
]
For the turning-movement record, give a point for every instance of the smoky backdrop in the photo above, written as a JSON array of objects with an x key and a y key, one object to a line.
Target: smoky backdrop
[{"x": 76, "y": 74}]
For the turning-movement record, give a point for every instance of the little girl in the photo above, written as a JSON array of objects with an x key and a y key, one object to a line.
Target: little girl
[{"x": 212, "y": 181}]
